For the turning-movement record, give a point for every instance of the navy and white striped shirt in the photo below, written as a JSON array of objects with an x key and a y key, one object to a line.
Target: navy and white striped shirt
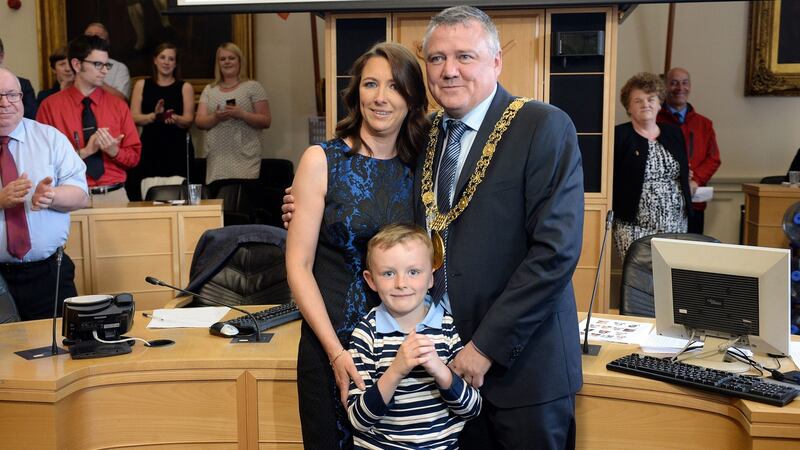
[{"x": 420, "y": 415}]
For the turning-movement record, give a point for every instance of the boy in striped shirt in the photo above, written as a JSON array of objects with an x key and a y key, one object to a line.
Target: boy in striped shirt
[{"x": 401, "y": 349}]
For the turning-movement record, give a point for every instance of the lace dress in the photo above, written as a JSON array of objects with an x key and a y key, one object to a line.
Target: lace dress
[{"x": 363, "y": 194}]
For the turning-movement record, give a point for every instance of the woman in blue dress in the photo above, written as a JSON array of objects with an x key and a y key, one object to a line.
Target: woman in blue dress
[{"x": 345, "y": 190}]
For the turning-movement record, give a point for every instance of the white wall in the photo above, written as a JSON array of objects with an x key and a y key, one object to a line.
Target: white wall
[
  {"x": 284, "y": 65},
  {"x": 19, "y": 42},
  {"x": 757, "y": 136}
]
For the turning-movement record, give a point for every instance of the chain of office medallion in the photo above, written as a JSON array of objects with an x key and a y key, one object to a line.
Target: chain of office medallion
[{"x": 436, "y": 220}]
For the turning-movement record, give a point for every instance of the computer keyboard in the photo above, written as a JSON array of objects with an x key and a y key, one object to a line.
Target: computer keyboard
[
  {"x": 716, "y": 381},
  {"x": 267, "y": 318}
]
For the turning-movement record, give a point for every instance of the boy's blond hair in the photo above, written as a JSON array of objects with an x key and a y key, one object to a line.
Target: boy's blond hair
[{"x": 398, "y": 233}]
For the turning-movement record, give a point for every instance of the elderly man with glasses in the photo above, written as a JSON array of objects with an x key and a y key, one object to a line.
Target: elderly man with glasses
[
  {"x": 29, "y": 99},
  {"x": 42, "y": 181},
  {"x": 98, "y": 124}
]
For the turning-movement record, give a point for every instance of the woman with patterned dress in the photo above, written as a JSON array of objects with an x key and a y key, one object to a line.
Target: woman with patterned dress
[
  {"x": 234, "y": 110},
  {"x": 164, "y": 107},
  {"x": 345, "y": 190},
  {"x": 651, "y": 169}
]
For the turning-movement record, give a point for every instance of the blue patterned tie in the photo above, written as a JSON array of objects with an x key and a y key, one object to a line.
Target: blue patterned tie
[{"x": 445, "y": 187}]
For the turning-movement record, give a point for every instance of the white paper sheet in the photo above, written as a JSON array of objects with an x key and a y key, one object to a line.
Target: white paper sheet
[
  {"x": 655, "y": 343},
  {"x": 703, "y": 194},
  {"x": 187, "y": 317},
  {"x": 622, "y": 331},
  {"x": 794, "y": 352},
  {"x": 664, "y": 344}
]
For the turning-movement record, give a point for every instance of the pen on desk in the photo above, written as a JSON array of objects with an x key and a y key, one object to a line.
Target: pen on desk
[{"x": 150, "y": 316}]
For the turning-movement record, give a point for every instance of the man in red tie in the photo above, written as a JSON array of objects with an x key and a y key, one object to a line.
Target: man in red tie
[
  {"x": 99, "y": 124},
  {"x": 43, "y": 179},
  {"x": 698, "y": 131}
]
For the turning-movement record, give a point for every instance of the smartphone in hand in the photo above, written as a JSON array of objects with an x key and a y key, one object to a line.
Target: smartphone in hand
[{"x": 230, "y": 101}]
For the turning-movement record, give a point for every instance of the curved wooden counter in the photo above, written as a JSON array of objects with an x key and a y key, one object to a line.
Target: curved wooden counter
[
  {"x": 618, "y": 411},
  {"x": 204, "y": 392}
]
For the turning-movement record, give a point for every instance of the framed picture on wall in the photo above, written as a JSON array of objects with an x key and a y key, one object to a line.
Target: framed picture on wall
[
  {"x": 136, "y": 28},
  {"x": 773, "y": 49}
]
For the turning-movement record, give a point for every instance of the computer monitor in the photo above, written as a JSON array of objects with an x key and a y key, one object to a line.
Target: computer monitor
[{"x": 720, "y": 292}]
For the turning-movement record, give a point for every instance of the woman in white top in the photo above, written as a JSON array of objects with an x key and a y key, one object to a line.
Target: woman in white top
[{"x": 234, "y": 110}]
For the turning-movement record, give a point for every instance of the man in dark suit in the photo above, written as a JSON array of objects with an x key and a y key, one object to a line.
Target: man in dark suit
[
  {"x": 511, "y": 253},
  {"x": 28, "y": 94}
]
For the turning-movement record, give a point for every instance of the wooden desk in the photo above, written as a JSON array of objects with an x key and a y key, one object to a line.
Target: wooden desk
[
  {"x": 115, "y": 247},
  {"x": 618, "y": 411},
  {"x": 765, "y": 205},
  {"x": 204, "y": 392}
]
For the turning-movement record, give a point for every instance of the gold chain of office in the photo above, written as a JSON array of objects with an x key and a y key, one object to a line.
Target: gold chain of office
[{"x": 438, "y": 221}]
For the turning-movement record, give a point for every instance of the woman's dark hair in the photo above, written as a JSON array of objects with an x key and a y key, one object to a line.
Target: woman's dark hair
[
  {"x": 165, "y": 46},
  {"x": 57, "y": 55},
  {"x": 407, "y": 76}
]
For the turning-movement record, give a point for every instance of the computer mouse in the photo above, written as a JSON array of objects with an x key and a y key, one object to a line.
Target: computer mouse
[
  {"x": 159, "y": 343},
  {"x": 223, "y": 329}
]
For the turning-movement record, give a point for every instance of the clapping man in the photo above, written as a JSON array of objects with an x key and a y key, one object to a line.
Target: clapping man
[
  {"x": 43, "y": 180},
  {"x": 99, "y": 124}
]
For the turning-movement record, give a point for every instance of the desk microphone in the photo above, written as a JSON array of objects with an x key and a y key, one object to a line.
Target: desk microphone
[
  {"x": 53, "y": 349},
  {"x": 157, "y": 282},
  {"x": 188, "y": 140},
  {"x": 593, "y": 350}
]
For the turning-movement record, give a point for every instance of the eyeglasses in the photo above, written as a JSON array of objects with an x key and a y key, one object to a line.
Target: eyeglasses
[
  {"x": 12, "y": 97},
  {"x": 99, "y": 65}
]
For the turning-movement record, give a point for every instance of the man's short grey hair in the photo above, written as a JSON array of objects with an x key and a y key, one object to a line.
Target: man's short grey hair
[
  {"x": 16, "y": 78},
  {"x": 462, "y": 15}
]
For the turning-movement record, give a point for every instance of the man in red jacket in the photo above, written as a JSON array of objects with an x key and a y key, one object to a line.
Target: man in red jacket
[{"x": 701, "y": 142}]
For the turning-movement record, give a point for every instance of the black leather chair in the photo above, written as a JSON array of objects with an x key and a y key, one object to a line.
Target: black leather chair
[
  {"x": 636, "y": 293},
  {"x": 254, "y": 275},
  {"x": 167, "y": 192},
  {"x": 253, "y": 271},
  {"x": 276, "y": 176},
  {"x": 237, "y": 197},
  {"x": 774, "y": 179},
  {"x": 8, "y": 309}
]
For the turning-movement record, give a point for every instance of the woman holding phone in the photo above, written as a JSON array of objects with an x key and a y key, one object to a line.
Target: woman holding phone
[
  {"x": 163, "y": 106},
  {"x": 234, "y": 110}
]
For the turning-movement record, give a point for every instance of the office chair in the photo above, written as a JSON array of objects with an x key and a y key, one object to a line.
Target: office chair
[
  {"x": 276, "y": 175},
  {"x": 237, "y": 199},
  {"x": 166, "y": 192},
  {"x": 8, "y": 309},
  {"x": 241, "y": 265},
  {"x": 636, "y": 292},
  {"x": 774, "y": 179}
]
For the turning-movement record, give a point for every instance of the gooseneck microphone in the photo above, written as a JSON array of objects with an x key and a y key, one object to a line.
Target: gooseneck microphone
[
  {"x": 157, "y": 282},
  {"x": 593, "y": 350},
  {"x": 59, "y": 255},
  {"x": 188, "y": 159},
  {"x": 53, "y": 349}
]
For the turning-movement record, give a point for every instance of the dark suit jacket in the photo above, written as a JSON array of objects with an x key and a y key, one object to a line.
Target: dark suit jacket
[
  {"x": 28, "y": 98},
  {"x": 511, "y": 255},
  {"x": 630, "y": 161}
]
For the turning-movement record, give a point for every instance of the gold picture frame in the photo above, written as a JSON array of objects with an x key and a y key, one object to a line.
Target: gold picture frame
[
  {"x": 765, "y": 75},
  {"x": 51, "y": 29}
]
